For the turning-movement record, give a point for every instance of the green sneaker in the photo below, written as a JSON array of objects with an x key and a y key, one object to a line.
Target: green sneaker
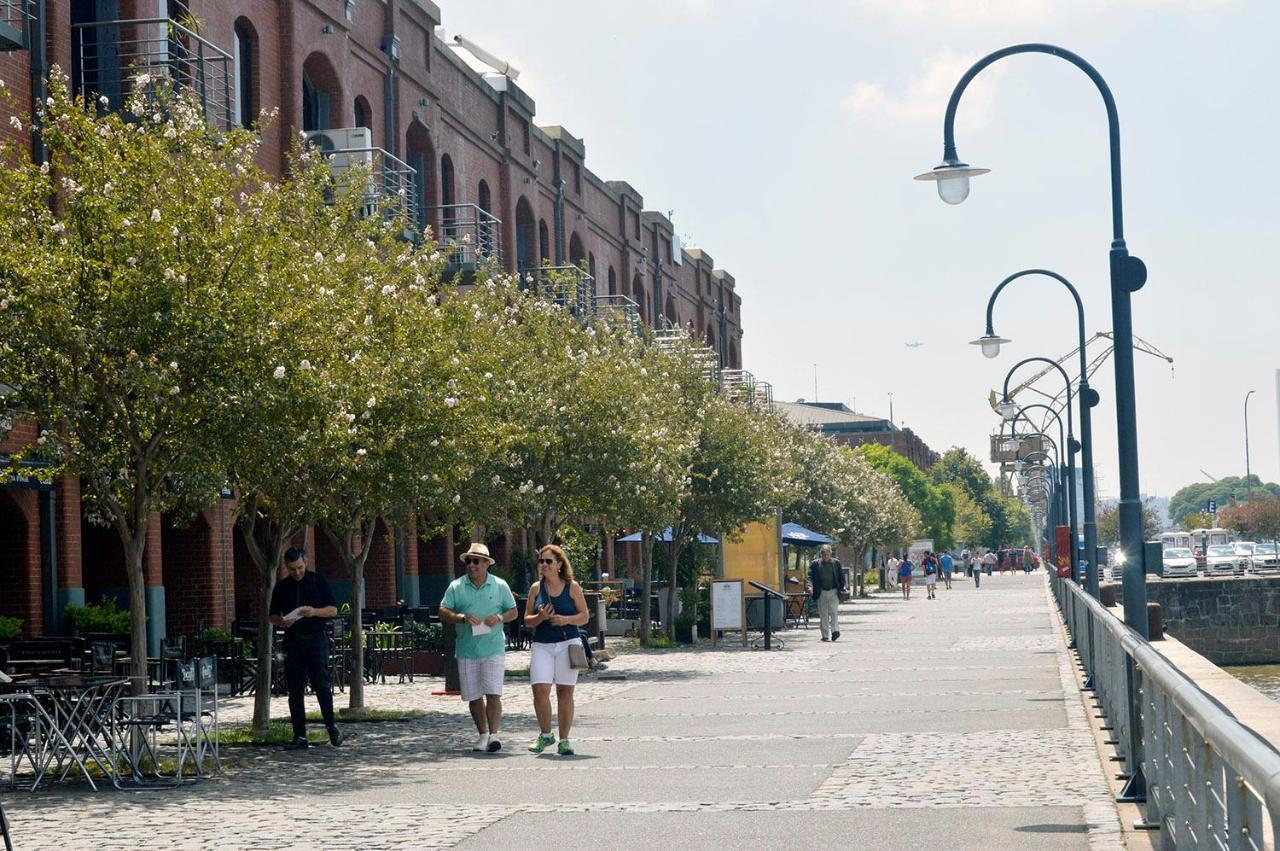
[
  {"x": 565, "y": 748},
  {"x": 540, "y": 744}
]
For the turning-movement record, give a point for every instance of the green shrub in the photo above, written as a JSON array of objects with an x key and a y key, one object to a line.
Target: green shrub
[
  {"x": 10, "y": 628},
  {"x": 214, "y": 635},
  {"x": 100, "y": 617},
  {"x": 428, "y": 637}
]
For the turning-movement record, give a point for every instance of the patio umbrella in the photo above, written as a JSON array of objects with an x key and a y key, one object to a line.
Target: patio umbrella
[
  {"x": 665, "y": 538},
  {"x": 797, "y": 535}
]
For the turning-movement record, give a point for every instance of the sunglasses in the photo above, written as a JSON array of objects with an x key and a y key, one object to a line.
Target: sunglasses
[
  {"x": 546, "y": 561},
  {"x": 473, "y": 561}
]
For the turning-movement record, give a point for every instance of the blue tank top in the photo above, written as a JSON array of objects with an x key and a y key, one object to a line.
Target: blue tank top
[{"x": 547, "y": 632}]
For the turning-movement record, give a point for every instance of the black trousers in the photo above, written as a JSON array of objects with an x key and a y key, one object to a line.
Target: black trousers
[{"x": 308, "y": 660}]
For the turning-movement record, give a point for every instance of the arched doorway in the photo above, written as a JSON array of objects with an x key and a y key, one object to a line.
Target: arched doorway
[
  {"x": 670, "y": 310},
  {"x": 19, "y": 562},
  {"x": 638, "y": 296},
  {"x": 576, "y": 252},
  {"x": 420, "y": 154},
  {"x": 525, "y": 235},
  {"x": 448, "y": 197},
  {"x": 484, "y": 197},
  {"x": 363, "y": 113},
  {"x": 321, "y": 94},
  {"x": 613, "y": 282}
]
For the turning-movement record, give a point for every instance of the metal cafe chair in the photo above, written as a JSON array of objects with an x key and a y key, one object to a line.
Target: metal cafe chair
[
  {"x": 140, "y": 721},
  {"x": 102, "y": 657},
  {"x": 22, "y": 732},
  {"x": 204, "y": 712}
]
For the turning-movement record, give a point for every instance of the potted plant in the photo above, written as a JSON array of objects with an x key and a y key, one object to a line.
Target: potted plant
[
  {"x": 10, "y": 630},
  {"x": 686, "y": 627},
  {"x": 428, "y": 652},
  {"x": 100, "y": 622}
]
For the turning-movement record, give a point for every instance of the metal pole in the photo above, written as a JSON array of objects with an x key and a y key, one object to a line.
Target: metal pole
[{"x": 1248, "y": 477}]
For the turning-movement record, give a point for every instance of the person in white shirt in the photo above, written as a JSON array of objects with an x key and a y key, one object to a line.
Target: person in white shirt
[{"x": 891, "y": 570}]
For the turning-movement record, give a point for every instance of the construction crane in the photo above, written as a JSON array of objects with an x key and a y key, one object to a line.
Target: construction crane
[{"x": 1097, "y": 349}]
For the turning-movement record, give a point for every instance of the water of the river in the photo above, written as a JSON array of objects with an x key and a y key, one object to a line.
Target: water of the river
[{"x": 1265, "y": 678}]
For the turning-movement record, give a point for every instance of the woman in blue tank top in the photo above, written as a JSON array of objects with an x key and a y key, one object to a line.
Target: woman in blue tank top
[{"x": 555, "y": 611}]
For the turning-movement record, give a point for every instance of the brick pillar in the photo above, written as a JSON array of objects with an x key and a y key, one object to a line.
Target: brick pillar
[
  {"x": 153, "y": 581},
  {"x": 412, "y": 590},
  {"x": 380, "y": 569},
  {"x": 70, "y": 565}
]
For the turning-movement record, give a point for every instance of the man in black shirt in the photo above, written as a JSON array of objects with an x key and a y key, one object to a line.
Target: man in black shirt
[{"x": 302, "y": 603}]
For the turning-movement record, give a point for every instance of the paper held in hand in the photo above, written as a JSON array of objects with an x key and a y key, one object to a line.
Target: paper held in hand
[
  {"x": 480, "y": 629},
  {"x": 294, "y": 616}
]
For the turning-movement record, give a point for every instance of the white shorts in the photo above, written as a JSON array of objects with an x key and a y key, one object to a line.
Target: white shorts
[
  {"x": 549, "y": 663},
  {"x": 478, "y": 677},
  {"x": 931, "y": 579}
]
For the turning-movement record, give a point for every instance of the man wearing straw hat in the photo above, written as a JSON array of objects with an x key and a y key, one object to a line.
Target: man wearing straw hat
[{"x": 480, "y": 603}]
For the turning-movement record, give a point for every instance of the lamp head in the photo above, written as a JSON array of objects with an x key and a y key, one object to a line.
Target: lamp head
[
  {"x": 1007, "y": 409},
  {"x": 990, "y": 344},
  {"x": 953, "y": 180}
]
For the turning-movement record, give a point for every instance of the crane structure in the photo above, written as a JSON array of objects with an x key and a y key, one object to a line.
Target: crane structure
[{"x": 1097, "y": 349}]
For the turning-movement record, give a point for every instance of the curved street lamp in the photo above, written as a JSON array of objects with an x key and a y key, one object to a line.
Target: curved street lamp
[
  {"x": 1063, "y": 445},
  {"x": 1128, "y": 274},
  {"x": 990, "y": 344},
  {"x": 1008, "y": 409}
]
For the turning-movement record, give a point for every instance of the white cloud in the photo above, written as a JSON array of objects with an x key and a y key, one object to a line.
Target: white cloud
[
  {"x": 924, "y": 98},
  {"x": 988, "y": 12}
]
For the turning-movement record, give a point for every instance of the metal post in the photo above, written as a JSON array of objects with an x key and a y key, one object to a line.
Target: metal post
[
  {"x": 1248, "y": 477},
  {"x": 1088, "y": 398}
]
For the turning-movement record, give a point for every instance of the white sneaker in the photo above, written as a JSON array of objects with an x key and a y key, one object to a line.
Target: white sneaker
[
  {"x": 482, "y": 743},
  {"x": 494, "y": 744}
]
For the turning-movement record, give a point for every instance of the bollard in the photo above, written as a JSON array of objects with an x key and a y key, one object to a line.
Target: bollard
[
  {"x": 1155, "y": 621},
  {"x": 1107, "y": 595}
]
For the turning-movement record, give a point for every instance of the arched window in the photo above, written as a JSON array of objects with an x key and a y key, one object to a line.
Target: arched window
[
  {"x": 544, "y": 242},
  {"x": 364, "y": 114},
  {"x": 447, "y": 196},
  {"x": 421, "y": 156},
  {"x": 613, "y": 282},
  {"x": 485, "y": 200},
  {"x": 576, "y": 252},
  {"x": 246, "y": 103},
  {"x": 525, "y": 230},
  {"x": 637, "y": 294},
  {"x": 670, "y": 310},
  {"x": 321, "y": 90},
  {"x": 591, "y": 267}
]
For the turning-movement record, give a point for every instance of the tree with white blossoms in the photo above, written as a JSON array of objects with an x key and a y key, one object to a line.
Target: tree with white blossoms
[
  {"x": 119, "y": 309},
  {"x": 738, "y": 470}
]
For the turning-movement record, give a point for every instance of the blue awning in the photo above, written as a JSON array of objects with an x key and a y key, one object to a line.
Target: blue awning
[
  {"x": 665, "y": 538},
  {"x": 797, "y": 535}
]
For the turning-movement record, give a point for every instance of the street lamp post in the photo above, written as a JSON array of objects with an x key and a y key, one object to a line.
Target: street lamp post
[
  {"x": 1009, "y": 409},
  {"x": 990, "y": 344},
  {"x": 1066, "y": 512},
  {"x": 1128, "y": 274},
  {"x": 1248, "y": 476}
]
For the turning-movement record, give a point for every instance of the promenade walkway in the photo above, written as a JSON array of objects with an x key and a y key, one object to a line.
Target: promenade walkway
[{"x": 952, "y": 724}]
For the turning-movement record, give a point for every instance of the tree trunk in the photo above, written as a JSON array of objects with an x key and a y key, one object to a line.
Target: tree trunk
[
  {"x": 134, "y": 548},
  {"x": 673, "y": 586},
  {"x": 266, "y": 656},
  {"x": 451, "y": 563},
  {"x": 646, "y": 583},
  {"x": 356, "y": 683}
]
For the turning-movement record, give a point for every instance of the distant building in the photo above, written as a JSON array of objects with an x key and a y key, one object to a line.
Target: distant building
[{"x": 838, "y": 421}]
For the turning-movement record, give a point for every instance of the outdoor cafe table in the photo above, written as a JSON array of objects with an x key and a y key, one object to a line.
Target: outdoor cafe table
[{"x": 75, "y": 722}]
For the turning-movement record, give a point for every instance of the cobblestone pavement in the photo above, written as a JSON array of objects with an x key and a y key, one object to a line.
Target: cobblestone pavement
[{"x": 954, "y": 722}]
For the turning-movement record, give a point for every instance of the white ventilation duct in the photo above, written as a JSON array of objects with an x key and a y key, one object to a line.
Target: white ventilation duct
[{"x": 500, "y": 65}]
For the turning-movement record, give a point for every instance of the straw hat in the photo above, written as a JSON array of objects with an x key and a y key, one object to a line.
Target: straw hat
[{"x": 477, "y": 550}]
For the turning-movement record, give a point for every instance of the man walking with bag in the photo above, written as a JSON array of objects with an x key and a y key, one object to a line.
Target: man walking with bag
[
  {"x": 480, "y": 604},
  {"x": 826, "y": 579}
]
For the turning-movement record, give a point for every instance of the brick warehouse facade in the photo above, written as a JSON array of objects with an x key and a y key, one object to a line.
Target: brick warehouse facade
[{"x": 476, "y": 150}]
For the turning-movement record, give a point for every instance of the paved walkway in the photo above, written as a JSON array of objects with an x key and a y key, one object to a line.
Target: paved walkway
[{"x": 952, "y": 723}]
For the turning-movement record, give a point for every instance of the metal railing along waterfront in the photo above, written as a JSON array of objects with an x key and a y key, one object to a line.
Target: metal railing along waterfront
[
  {"x": 1208, "y": 781},
  {"x": 112, "y": 59}
]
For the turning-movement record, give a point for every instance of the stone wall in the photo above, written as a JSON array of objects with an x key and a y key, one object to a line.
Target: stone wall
[{"x": 1232, "y": 621}]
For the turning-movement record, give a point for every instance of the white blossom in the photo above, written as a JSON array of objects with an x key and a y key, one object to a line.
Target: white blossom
[{"x": 279, "y": 373}]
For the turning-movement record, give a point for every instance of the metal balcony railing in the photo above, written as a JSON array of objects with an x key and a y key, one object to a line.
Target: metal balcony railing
[
  {"x": 741, "y": 386},
  {"x": 388, "y": 181},
  {"x": 114, "y": 59},
  {"x": 568, "y": 286},
  {"x": 621, "y": 309},
  {"x": 15, "y": 24},
  {"x": 471, "y": 235}
]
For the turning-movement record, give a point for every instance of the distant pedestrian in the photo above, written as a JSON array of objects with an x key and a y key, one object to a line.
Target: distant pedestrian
[
  {"x": 989, "y": 562},
  {"x": 904, "y": 577},
  {"x": 930, "y": 575},
  {"x": 480, "y": 603},
  {"x": 966, "y": 558},
  {"x": 947, "y": 567},
  {"x": 556, "y": 609},
  {"x": 826, "y": 577},
  {"x": 891, "y": 570},
  {"x": 1027, "y": 560},
  {"x": 976, "y": 572}
]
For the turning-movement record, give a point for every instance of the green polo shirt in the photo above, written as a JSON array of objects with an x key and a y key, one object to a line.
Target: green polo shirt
[{"x": 492, "y": 598}]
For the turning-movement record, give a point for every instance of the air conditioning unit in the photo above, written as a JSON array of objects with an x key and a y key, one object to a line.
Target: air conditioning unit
[{"x": 345, "y": 146}]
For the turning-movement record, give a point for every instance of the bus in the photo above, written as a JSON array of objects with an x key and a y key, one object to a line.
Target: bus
[{"x": 1176, "y": 540}]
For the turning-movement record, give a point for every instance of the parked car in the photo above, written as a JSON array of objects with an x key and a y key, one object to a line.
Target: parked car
[
  {"x": 1265, "y": 558},
  {"x": 1244, "y": 550},
  {"x": 1222, "y": 560},
  {"x": 1179, "y": 563}
]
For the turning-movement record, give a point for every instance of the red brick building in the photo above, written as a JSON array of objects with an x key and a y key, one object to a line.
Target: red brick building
[
  {"x": 467, "y": 146},
  {"x": 850, "y": 429}
]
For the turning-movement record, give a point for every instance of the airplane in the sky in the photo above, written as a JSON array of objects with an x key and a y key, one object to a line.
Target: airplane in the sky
[{"x": 917, "y": 344}]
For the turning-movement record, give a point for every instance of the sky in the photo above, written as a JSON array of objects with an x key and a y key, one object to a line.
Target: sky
[{"x": 784, "y": 136}]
